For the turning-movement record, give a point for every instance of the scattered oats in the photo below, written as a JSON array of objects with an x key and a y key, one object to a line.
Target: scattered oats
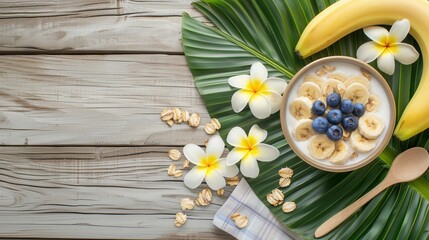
[
  {"x": 194, "y": 120},
  {"x": 174, "y": 154},
  {"x": 177, "y": 114},
  {"x": 276, "y": 197},
  {"x": 288, "y": 207},
  {"x": 186, "y": 164},
  {"x": 321, "y": 72},
  {"x": 241, "y": 221},
  {"x": 178, "y": 173},
  {"x": 166, "y": 114},
  {"x": 354, "y": 155},
  {"x": 215, "y": 123},
  {"x": 278, "y": 194},
  {"x": 220, "y": 192},
  {"x": 204, "y": 197},
  {"x": 286, "y": 172},
  {"x": 365, "y": 73},
  {"x": 234, "y": 216},
  {"x": 180, "y": 219},
  {"x": 171, "y": 170},
  {"x": 209, "y": 129},
  {"x": 329, "y": 68},
  {"x": 233, "y": 181},
  {"x": 187, "y": 203},
  {"x": 206, "y": 142},
  {"x": 170, "y": 122},
  {"x": 185, "y": 116},
  {"x": 284, "y": 182}
]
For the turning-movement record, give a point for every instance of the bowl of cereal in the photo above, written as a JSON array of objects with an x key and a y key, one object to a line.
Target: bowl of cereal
[{"x": 338, "y": 114}]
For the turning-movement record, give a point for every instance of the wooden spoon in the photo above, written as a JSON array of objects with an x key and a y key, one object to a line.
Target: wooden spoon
[{"x": 406, "y": 167}]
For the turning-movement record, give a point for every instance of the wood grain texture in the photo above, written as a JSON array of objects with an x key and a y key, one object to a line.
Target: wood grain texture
[
  {"x": 96, "y": 99},
  {"x": 97, "y": 192},
  {"x": 92, "y": 26}
]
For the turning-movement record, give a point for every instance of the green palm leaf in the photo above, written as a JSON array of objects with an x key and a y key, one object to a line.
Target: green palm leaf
[{"x": 246, "y": 31}]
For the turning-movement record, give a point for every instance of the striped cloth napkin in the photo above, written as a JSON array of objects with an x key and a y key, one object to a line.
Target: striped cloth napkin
[{"x": 262, "y": 223}]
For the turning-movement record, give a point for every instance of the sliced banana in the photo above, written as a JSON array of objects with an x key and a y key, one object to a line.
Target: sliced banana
[
  {"x": 300, "y": 108},
  {"x": 370, "y": 125},
  {"x": 373, "y": 103},
  {"x": 358, "y": 79},
  {"x": 333, "y": 85},
  {"x": 341, "y": 153},
  {"x": 338, "y": 76},
  {"x": 321, "y": 147},
  {"x": 357, "y": 92},
  {"x": 310, "y": 90},
  {"x": 303, "y": 130},
  {"x": 313, "y": 78},
  {"x": 361, "y": 144}
]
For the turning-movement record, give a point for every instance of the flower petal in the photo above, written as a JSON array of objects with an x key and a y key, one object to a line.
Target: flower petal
[
  {"x": 386, "y": 62},
  {"x": 194, "y": 153},
  {"x": 194, "y": 177},
  {"x": 249, "y": 166},
  {"x": 227, "y": 171},
  {"x": 265, "y": 153},
  {"x": 399, "y": 30},
  {"x": 275, "y": 100},
  {"x": 215, "y": 146},
  {"x": 215, "y": 180},
  {"x": 276, "y": 84},
  {"x": 377, "y": 34},
  {"x": 258, "y": 71},
  {"x": 235, "y": 137},
  {"x": 240, "y": 99},
  {"x": 369, "y": 51},
  {"x": 404, "y": 53},
  {"x": 258, "y": 134},
  {"x": 260, "y": 106},
  {"x": 239, "y": 81},
  {"x": 235, "y": 155}
]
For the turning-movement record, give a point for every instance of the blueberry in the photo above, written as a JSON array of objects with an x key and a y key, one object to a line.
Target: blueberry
[
  {"x": 347, "y": 106},
  {"x": 320, "y": 125},
  {"x": 350, "y": 123},
  {"x": 333, "y": 100},
  {"x": 334, "y": 116},
  {"x": 334, "y": 133},
  {"x": 359, "y": 110},
  {"x": 318, "y": 108}
]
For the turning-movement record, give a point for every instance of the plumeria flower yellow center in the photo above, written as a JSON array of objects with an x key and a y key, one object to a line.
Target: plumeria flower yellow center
[
  {"x": 262, "y": 93},
  {"x": 249, "y": 149},
  {"x": 386, "y": 46},
  {"x": 208, "y": 164}
]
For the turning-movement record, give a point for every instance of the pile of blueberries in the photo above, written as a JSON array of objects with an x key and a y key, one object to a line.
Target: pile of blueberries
[{"x": 342, "y": 111}]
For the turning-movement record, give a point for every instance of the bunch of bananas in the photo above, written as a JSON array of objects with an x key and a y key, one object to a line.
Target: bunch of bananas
[{"x": 326, "y": 28}]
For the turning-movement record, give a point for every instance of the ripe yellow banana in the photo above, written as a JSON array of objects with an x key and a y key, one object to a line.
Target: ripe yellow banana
[{"x": 346, "y": 16}]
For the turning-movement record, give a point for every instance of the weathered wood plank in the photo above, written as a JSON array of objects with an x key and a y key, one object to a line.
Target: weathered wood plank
[
  {"x": 87, "y": 192},
  {"x": 95, "y": 25},
  {"x": 96, "y": 100}
]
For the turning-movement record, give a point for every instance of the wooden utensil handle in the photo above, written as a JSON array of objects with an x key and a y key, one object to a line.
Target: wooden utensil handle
[{"x": 338, "y": 218}]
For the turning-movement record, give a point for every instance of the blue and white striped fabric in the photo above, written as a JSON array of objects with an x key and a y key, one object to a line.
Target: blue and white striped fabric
[{"x": 262, "y": 223}]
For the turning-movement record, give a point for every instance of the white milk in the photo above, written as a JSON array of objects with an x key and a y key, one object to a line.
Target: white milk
[{"x": 376, "y": 88}]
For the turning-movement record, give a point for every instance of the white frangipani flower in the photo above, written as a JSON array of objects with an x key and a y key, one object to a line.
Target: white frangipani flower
[
  {"x": 209, "y": 165},
  {"x": 263, "y": 94},
  {"x": 387, "y": 46},
  {"x": 248, "y": 149}
]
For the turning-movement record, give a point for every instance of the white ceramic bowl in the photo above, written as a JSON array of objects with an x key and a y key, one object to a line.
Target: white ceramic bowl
[{"x": 349, "y": 66}]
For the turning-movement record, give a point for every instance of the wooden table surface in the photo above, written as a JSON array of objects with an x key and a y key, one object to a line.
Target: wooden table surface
[{"x": 84, "y": 153}]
